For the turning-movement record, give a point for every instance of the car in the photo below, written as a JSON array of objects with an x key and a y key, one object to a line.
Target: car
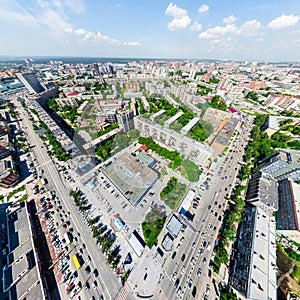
[
  {"x": 194, "y": 291},
  {"x": 193, "y": 261},
  {"x": 87, "y": 270},
  {"x": 95, "y": 284},
  {"x": 179, "y": 292},
  {"x": 201, "y": 252},
  {"x": 207, "y": 289},
  {"x": 183, "y": 257},
  {"x": 96, "y": 273},
  {"x": 174, "y": 277},
  {"x": 70, "y": 287},
  {"x": 194, "y": 245},
  {"x": 190, "y": 283},
  {"x": 87, "y": 286},
  {"x": 199, "y": 272},
  {"x": 174, "y": 254},
  {"x": 176, "y": 283},
  {"x": 182, "y": 269}
]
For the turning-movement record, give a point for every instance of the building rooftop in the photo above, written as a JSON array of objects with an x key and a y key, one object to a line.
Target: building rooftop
[
  {"x": 173, "y": 119},
  {"x": 21, "y": 274},
  {"x": 254, "y": 272},
  {"x": 130, "y": 176},
  {"x": 174, "y": 226},
  {"x": 288, "y": 215}
]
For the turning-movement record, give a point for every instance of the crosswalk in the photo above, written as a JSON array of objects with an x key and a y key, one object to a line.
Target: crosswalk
[{"x": 124, "y": 292}]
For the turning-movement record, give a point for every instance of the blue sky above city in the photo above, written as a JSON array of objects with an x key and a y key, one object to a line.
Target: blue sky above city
[{"x": 216, "y": 29}]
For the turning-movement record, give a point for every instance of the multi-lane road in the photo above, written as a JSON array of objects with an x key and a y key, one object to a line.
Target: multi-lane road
[
  {"x": 195, "y": 251},
  {"x": 108, "y": 284}
]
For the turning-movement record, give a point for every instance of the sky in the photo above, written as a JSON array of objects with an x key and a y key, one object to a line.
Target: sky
[{"x": 263, "y": 30}]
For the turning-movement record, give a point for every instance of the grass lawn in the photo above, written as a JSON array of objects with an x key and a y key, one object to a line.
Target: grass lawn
[
  {"x": 296, "y": 273},
  {"x": 175, "y": 196},
  {"x": 190, "y": 170},
  {"x": 152, "y": 226}
]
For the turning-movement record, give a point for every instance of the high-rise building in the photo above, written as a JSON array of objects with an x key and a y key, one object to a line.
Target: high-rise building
[
  {"x": 31, "y": 83},
  {"x": 126, "y": 120}
]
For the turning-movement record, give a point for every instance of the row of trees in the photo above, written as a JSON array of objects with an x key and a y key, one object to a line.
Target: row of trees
[
  {"x": 231, "y": 222},
  {"x": 104, "y": 238},
  {"x": 173, "y": 156},
  {"x": 57, "y": 150}
]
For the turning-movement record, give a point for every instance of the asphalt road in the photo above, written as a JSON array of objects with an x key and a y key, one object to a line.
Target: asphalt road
[
  {"x": 222, "y": 181},
  {"x": 108, "y": 285}
]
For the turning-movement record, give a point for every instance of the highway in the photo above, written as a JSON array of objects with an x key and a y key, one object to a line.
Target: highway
[{"x": 108, "y": 286}]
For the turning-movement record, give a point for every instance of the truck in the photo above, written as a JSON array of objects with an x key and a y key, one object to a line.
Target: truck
[{"x": 77, "y": 261}]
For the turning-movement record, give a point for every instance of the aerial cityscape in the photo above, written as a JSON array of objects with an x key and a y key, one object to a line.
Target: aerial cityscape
[{"x": 150, "y": 150}]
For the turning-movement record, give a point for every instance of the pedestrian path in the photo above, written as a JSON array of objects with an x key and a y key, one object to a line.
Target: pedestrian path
[{"x": 124, "y": 292}]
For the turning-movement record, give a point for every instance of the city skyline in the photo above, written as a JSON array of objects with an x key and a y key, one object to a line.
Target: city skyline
[{"x": 256, "y": 30}]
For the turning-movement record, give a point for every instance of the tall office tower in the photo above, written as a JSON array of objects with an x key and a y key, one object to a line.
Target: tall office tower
[
  {"x": 31, "y": 83},
  {"x": 126, "y": 120}
]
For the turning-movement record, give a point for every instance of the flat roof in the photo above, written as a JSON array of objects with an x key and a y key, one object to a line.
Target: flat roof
[
  {"x": 174, "y": 226},
  {"x": 190, "y": 125},
  {"x": 145, "y": 158},
  {"x": 173, "y": 119},
  {"x": 187, "y": 201},
  {"x": 130, "y": 176},
  {"x": 135, "y": 243},
  {"x": 22, "y": 276}
]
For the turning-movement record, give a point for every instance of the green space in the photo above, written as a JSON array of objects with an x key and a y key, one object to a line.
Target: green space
[
  {"x": 188, "y": 169},
  {"x": 152, "y": 226},
  {"x": 218, "y": 103},
  {"x": 296, "y": 273},
  {"x": 201, "y": 131},
  {"x": 108, "y": 129},
  {"x": 228, "y": 234},
  {"x": 66, "y": 112},
  {"x": 173, "y": 193},
  {"x": 15, "y": 191},
  {"x": 203, "y": 90},
  {"x": 119, "y": 142},
  {"x": 253, "y": 96},
  {"x": 227, "y": 296}
]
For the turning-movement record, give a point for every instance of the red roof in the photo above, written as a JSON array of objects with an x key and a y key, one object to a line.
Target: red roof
[
  {"x": 72, "y": 94},
  {"x": 144, "y": 148}
]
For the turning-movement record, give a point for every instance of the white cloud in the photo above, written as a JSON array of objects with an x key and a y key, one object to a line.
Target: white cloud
[
  {"x": 217, "y": 31},
  {"x": 203, "y": 9},
  {"x": 196, "y": 26},
  {"x": 229, "y": 20},
  {"x": 181, "y": 20},
  {"x": 133, "y": 44},
  {"x": 175, "y": 11},
  {"x": 88, "y": 35},
  {"x": 283, "y": 21},
  {"x": 179, "y": 23},
  {"x": 250, "y": 28}
]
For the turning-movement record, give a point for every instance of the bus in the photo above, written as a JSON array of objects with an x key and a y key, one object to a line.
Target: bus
[{"x": 76, "y": 261}]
